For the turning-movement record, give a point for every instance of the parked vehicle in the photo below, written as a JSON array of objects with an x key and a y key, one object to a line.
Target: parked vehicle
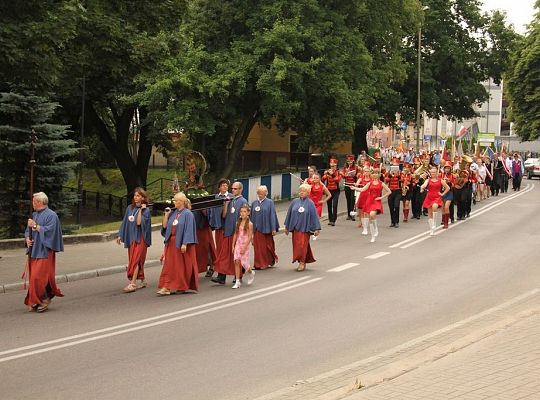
[{"x": 532, "y": 167}]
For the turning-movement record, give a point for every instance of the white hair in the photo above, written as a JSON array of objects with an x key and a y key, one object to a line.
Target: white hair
[{"x": 41, "y": 197}]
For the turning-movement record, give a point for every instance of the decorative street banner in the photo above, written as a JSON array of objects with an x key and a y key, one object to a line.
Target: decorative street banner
[{"x": 486, "y": 137}]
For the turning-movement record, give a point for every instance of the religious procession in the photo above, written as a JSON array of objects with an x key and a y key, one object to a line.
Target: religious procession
[{"x": 221, "y": 235}]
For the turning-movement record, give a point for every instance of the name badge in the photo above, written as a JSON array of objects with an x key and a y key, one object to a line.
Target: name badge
[
  {"x": 257, "y": 208},
  {"x": 232, "y": 210},
  {"x": 301, "y": 209},
  {"x": 131, "y": 218},
  {"x": 175, "y": 222}
]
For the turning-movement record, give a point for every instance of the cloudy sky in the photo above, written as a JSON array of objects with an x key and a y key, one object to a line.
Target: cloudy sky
[{"x": 519, "y": 12}]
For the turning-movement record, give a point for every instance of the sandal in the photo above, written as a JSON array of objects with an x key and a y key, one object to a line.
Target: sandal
[
  {"x": 142, "y": 285},
  {"x": 301, "y": 267},
  {"x": 130, "y": 288},
  {"x": 163, "y": 292}
]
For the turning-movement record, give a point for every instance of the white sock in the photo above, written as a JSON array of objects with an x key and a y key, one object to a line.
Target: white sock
[
  {"x": 376, "y": 227},
  {"x": 435, "y": 219},
  {"x": 365, "y": 225},
  {"x": 430, "y": 221}
]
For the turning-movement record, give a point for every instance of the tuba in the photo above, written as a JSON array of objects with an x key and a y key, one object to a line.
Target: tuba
[{"x": 464, "y": 162}]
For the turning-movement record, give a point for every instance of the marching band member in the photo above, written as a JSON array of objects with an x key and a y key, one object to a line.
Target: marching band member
[
  {"x": 361, "y": 202},
  {"x": 312, "y": 169},
  {"x": 374, "y": 198},
  {"x": 417, "y": 197},
  {"x": 406, "y": 190},
  {"x": 448, "y": 177},
  {"x": 434, "y": 196},
  {"x": 349, "y": 172},
  {"x": 265, "y": 226},
  {"x": 331, "y": 179},
  {"x": 393, "y": 181},
  {"x": 136, "y": 234},
  {"x": 318, "y": 190},
  {"x": 302, "y": 221}
]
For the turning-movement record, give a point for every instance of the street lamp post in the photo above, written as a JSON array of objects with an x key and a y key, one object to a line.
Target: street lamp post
[{"x": 419, "y": 62}]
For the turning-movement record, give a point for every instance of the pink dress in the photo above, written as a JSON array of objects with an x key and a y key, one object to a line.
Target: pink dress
[
  {"x": 433, "y": 196},
  {"x": 241, "y": 241}
]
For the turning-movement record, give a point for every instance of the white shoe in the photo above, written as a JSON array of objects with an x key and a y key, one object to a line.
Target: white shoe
[
  {"x": 237, "y": 284},
  {"x": 251, "y": 277},
  {"x": 372, "y": 239}
]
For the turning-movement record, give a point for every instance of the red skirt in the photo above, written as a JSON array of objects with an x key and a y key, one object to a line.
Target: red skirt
[
  {"x": 225, "y": 257},
  {"x": 361, "y": 203},
  {"x": 218, "y": 234},
  {"x": 42, "y": 280},
  {"x": 204, "y": 247},
  {"x": 373, "y": 205},
  {"x": 435, "y": 198},
  {"x": 180, "y": 271},
  {"x": 265, "y": 250},
  {"x": 301, "y": 248},
  {"x": 136, "y": 257}
]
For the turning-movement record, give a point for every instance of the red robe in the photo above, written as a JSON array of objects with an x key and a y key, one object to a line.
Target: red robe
[
  {"x": 301, "y": 247},
  {"x": 204, "y": 247},
  {"x": 180, "y": 271},
  {"x": 42, "y": 280},
  {"x": 265, "y": 250},
  {"x": 137, "y": 256}
]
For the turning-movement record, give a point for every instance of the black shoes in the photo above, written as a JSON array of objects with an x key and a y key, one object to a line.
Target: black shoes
[
  {"x": 220, "y": 278},
  {"x": 209, "y": 273}
]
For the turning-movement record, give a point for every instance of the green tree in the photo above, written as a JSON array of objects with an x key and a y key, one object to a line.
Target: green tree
[
  {"x": 461, "y": 48},
  {"x": 523, "y": 83},
  {"x": 33, "y": 37},
  {"x": 115, "y": 41},
  {"x": 302, "y": 65},
  {"x": 20, "y": 113}
]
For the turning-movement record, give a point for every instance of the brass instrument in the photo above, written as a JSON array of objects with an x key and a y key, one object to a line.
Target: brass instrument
[
  {"x": 422, "y": 171},
  {"x": 461, "y": 176}
]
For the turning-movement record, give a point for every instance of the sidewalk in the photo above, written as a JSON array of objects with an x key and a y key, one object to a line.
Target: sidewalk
[
  {"x": 492, "y": 355},
  {"x": 99, "y": 258}
]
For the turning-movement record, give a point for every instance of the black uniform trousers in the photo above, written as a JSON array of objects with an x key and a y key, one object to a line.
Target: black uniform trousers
[
  {"x": 332, "y": 205},
  {"x": 393, "y": 204}
]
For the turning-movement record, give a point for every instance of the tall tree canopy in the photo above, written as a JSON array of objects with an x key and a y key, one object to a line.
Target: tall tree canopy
[
  {"x": 461, "y": 48},
  {"x": 523, "y": 83},
  {"x": 303, "y": 64}
]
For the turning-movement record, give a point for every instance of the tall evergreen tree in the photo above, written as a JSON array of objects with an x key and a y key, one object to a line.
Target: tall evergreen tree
[{"x": 20, "y": 113}]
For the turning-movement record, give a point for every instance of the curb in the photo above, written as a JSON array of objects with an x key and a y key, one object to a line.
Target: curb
[
  {"x": 10, "y": 244},
  {"x": 95, "y": 273},
  {"x": 77, "y": 276}
]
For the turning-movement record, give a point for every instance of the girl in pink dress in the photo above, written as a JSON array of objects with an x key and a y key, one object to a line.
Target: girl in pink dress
[
  {"x": 318, "y": 189},
  {"x": 434, "y": 196},
  {"x": 374, "y": 196},
  {"x": 242, "y": 239}
]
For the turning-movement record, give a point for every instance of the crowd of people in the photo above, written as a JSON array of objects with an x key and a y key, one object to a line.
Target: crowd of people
[{"x": 218, "y": 241}]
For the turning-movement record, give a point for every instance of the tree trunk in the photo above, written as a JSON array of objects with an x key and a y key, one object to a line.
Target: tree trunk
[
  {"x": 134, "y": 174},
  {"x": 360, "y": 138},
  {"x": 102, "y": 178},
  {"x": 239, "y": 140}
]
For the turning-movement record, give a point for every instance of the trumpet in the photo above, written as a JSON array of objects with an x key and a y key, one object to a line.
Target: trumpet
[{"x": 404, "y": 189}]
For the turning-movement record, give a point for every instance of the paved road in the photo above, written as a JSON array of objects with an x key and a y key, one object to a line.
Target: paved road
[{"x": 357, "y": 301}]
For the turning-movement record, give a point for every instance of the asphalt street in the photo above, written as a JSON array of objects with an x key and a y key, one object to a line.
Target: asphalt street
[{"x": 357, "y": 300}]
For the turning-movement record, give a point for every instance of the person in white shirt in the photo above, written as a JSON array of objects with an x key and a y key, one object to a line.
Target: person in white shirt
[
  {"x": 508, "y": 169},
  {"x": 482, "y": 173}
]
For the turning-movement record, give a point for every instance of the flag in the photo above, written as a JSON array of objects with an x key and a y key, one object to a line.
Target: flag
[
  {"x": 445, "y": 153},
  {"x": 490, "y": 153},
  {"x": 460, "y": 149},
  {"x": 462, "y": 132},
  {"x": 453, "y": 149}
]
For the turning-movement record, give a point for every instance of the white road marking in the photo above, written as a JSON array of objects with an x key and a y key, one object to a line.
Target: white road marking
[
  {"x": 377, "y": 255},
  {"x": 343, "y": 267},
  {"x": 229, "y": 303},
  {"x": 422, "y": 236}
]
